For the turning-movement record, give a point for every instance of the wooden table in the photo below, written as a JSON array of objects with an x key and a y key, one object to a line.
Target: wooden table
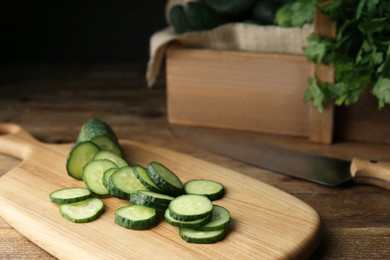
[{"x": 53, "y": 100}]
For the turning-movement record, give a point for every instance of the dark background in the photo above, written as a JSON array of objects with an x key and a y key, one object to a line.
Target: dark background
[{"x": 78, "y": 30}]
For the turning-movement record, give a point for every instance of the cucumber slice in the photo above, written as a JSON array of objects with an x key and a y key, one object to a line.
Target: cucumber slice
[
  {"x": 190, "y": 207},
  {"x": 143, "y": 177},
  {"x": 212, "y": 189},
  {"x": 135, "y": 199},
  {"x": 136, "y": 217},
  {"x": 123, "y": 183},
  {"x": 100, "y": 133},
  {"x": 154, "y": 197},
  {"x": 186, "y": 224},
  {"x": 80, "y": 154},
  {"x": 165, "y": 179},
  {"x": 106, "y": 178},
  {"x": 93, "y": 175},
  {"x": 201, "y": 237},
  {"x": 82, "y": 211},
  {"x": 220, "y": 220},
  {"x": 119, "y": 161},
  {"x": 107, "y": 144},
  {"x": 69, "y": 195}
]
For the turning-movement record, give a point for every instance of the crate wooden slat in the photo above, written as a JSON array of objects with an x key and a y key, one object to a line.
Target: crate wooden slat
[
  {"x": 238, "y": 90},
  {"x": 322, "y": 124}
]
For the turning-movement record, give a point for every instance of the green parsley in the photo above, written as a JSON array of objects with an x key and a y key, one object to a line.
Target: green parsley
[{"x": 360, "y": 53}]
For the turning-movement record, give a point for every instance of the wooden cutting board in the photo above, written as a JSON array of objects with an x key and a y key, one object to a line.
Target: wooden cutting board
[{"x": 267, "y": 223}]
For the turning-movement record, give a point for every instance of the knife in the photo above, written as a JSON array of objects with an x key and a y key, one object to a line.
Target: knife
[{"x": 301, "y": 164}]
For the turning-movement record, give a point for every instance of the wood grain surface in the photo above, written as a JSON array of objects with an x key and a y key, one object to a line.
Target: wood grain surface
[
  {"x": 237, "y": 90},
  {"x": 266, "y": 222},
  {"x": 52, "y": 100}
]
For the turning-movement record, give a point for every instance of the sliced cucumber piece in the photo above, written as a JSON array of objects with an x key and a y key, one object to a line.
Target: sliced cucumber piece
[
  {"x": 143, "y": 177},
  {"x": 107, "y": 144},
  {"x": 220, "y": 220},
  {"x": 136, "y": 217},
  {"x": 190, "y": 207},
  {"x": 100, "y": 133},
  {"x": 119, "y": 161},
  {"x": 212, "y": 189},
  {"x": 135, "y": 199},
  {"x": 165, "y": 179},
  {"x": 106, "y": 178},
  {"x": 155, "y": 197},
  {"x": 186, "y": 224},
  {"x": 69, "y": 195},
  {"x": 123, "y": 183},
  {"x": 93, "y": 175},
  {"x": 80, "y": 154},
  {"x": 201, "y": 237},
  {"x": 82, "y": 211}
]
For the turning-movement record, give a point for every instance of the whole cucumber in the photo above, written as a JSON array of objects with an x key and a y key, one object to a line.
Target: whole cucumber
[
  {"x": 264, "y": 11},
  {"x": 231, "y": 8},
  {"x": 202, "y": 17},
  {"x": 179, "y": 19},
  {"x": 100, "y": 133}
]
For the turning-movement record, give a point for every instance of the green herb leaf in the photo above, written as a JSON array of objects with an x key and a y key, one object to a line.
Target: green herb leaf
[
  {"x": 382, "y": 91},
  {"x": 318, "y": 48},
  {"x": 315, "y": 94},
  {"x": 360, "y": 52},
  {"x": 296, "y": 14},
  {"x": 303, "y": 13}
]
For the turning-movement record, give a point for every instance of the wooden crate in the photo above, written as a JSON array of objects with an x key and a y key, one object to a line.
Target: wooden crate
[
  {"x": 264, "y": 93},
  {"x": 238, "y": 90}
]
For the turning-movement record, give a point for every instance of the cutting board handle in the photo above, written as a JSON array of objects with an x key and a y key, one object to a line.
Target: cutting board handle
[
  {"x": 371, "y": 172},
  {"x": 16, "y": 141}
]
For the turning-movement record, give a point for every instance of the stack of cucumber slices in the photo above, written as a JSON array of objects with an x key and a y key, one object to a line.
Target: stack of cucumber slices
[{"x": 100, "y": 164}]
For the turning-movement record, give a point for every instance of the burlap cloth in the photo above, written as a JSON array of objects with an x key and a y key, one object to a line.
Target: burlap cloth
[{"x": 232, "y": 36}]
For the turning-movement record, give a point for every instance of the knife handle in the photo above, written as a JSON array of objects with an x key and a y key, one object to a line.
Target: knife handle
[{"x": 371, "y": 172}]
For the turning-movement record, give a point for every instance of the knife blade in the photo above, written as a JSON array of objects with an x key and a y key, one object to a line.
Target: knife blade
[{"x": 317, "y": 168}]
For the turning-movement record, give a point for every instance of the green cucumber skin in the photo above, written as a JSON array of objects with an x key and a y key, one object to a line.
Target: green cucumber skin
[
  {"x": 177, "y": 211},
  {"x": 149, "y": 196},
  {"x": 69, "y": 200},
  {"x": 139, "y": 201},
  {"x": 123, "y": 194},
  {"x": 165, "y": 186},
  {"x": 95, "y": 128},
  {"x": 126, "y": 223},
  {"x": 96, "y": 215},
  {"x": 179, "y": 19},
  {"x": 135, "y": 224},
  {"x": 211, "y": 226},
  {"x": 106, "y": 178},
  {"x": 232, "y": 8},
  {"x": 114, "y": 191},
  {"x": 73, "y": 158},
  {"x": 186, "y": 224},
  {"x": 108, "y": 155},
  {"x": 187, "y": 217},
  {"x": 211, "y": 196},
  {"x": 142, "y": 178},
  {"x": 183, "y": 232}
]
